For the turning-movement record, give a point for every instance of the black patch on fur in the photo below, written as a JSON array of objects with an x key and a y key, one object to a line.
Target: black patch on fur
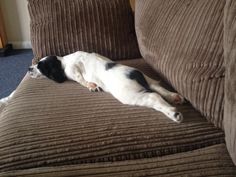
[
  {"x": 110, "y": 65},
  {"x": 52, "y": 68},
  {"x": 138, "y": 76}
]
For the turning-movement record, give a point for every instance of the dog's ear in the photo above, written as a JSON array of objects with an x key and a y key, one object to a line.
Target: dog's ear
[
  {"x": 57, "y": 74},
  {"x": 43, "y": 68},
  {"x": 52, "y": 68}
]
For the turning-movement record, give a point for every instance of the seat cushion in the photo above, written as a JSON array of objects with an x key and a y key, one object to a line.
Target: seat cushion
[
  {"x": 50, "y": 124},
  {"x": 183, "y": 41},
  {"x": 60, "y": 27},
  {"x": 209, "y": 161}
]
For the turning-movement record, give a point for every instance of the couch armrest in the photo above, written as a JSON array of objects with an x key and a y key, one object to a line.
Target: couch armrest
[{"x": 230, "y": 78}]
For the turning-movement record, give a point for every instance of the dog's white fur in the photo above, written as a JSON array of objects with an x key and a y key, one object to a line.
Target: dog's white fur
[{"x": 88, "y": 68}]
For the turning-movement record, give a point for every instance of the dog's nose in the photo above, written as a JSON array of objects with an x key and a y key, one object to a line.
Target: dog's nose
[{"x": 30, "y": 69}]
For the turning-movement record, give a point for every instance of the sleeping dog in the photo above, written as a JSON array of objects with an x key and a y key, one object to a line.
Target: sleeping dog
[{"x": 96, "y": 72}]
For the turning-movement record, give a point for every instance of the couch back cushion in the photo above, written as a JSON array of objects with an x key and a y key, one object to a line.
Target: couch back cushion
[
  {"x": 60, "y": 27},
  {"x": 183, "y": 41},
  {"x": 230, "y": 78}
]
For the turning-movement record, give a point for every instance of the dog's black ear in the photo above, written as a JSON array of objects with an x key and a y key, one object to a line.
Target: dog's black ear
[
  {"x": 57, "y": 74},
  {"x": 52, "y": 68},
  {"x": 43, "y": 68}
]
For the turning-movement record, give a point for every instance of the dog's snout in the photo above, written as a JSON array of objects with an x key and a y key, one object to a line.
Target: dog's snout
[{"x": 30, "y": 69}]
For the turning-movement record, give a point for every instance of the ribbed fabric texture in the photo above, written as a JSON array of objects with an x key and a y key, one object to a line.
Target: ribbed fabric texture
[
  {"x": 230, "y": 79},
  {"x": 60, "y": 27},
  {"x": 49, "y": 124},
  {"x": 211, "y": 161},
  {"x": 183, "y": 41}
]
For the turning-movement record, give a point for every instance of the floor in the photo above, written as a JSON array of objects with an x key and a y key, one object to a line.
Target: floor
[{"x": 12, "y": 70}]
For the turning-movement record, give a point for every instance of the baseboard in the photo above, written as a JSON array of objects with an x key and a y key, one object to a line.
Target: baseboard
[{"x": 21, "y": 44}]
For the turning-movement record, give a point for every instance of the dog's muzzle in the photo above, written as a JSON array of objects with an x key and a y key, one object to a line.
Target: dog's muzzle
[{"x": 30, "y": 69}]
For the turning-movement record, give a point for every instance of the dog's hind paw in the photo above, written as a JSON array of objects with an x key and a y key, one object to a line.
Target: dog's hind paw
[
  {"x": 174, "y": 115},
  {"x": 175, "y": 98},
  {"x": 178, "y": 117}
]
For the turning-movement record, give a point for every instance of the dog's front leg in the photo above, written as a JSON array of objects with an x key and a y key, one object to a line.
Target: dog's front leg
[{"x": 90, "y": 85}]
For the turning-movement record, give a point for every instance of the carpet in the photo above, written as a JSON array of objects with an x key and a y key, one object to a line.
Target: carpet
[{"x": 12, "y": 70}]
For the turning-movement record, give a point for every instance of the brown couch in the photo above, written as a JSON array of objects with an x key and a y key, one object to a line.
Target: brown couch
[{"x": 61, "y": 130}]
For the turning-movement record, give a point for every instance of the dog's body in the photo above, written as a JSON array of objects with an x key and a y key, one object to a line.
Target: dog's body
[{"x": 96, "y": 72}]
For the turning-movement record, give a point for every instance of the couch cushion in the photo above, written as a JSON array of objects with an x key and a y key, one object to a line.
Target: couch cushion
[
  {"x": 50, "y": 124},
  {"x": 183, "y": 41},
  {"x": 60, "y": 27},
  {"x": 210, "y": 161},
  {"x": 230, "y": 79}
]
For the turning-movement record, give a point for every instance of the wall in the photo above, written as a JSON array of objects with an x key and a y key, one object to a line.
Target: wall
[{"x": 17, "y": 22}]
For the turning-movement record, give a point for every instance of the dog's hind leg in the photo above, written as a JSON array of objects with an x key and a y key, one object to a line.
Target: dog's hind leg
[
  {"x": 155, "y": 101},
  {"x": 171, "y": 97}
]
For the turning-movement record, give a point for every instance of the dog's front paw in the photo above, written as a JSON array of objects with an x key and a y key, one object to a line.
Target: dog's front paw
[{"x": 93, "y": 87}]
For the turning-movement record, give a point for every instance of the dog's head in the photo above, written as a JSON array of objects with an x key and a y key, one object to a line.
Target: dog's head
[{"x": 50, "y": 67}]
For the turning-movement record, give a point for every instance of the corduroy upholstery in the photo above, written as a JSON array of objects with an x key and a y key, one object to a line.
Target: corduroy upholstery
[
  {"x": 60, "y": 27},
  {"x": 63, "y": 130},
  {"x": 183, "y": 41},
  {"x": 49, "y": 124},
  {"x": 230, "y": 80},
  {"x": 210, "y": 161}
]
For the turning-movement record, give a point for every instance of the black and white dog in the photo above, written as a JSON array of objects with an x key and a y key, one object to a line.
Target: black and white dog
[{"x": 96, "y": 72}]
